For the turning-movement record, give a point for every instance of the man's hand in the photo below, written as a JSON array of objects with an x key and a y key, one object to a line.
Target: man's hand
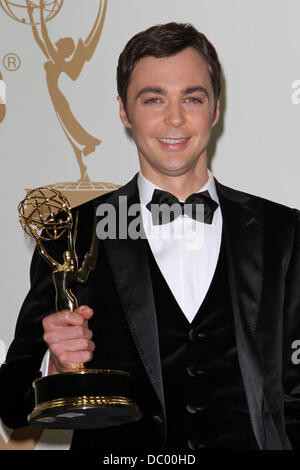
[{"x": 69, "y": 339}]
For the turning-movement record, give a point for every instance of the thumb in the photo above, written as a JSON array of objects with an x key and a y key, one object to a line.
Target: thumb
[{"x": 85, "y": 311}]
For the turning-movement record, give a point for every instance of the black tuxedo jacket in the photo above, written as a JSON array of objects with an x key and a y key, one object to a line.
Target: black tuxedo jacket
[{"x": 264, "y": 275}]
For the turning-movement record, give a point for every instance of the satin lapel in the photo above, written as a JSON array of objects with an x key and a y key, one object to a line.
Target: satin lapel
[
  {"x": 129, "y": 264},
  {"x": 243, "y": 231}
]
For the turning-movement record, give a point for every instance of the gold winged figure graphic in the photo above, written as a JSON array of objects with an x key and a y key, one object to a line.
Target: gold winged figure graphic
[
  {"x": 2, "y": 99},
  {"x": 66, "y": 57}
]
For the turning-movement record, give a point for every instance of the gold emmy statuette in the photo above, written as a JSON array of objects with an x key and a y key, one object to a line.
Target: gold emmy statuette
[{"x": 84, "y": 398}]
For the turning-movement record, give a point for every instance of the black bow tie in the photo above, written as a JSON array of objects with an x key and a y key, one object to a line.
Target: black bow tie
[{"x": 163, "y": 210}]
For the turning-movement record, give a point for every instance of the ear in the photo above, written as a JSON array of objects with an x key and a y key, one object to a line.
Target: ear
[
  {"x": 123, "y": 114},
  {"x": 216, "y": 114}
]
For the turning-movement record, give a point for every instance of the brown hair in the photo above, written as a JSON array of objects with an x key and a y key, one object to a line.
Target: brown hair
[{"x": 163, "y": 41}]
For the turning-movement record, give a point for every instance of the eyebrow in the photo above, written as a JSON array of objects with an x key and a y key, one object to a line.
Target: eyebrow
[
  {"x": 150, "y": 89},
  {"x": 163, "y": 92}
]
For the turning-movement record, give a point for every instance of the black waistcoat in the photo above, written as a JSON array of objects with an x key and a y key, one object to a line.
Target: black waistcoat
[{"x": 204, "y": 393}]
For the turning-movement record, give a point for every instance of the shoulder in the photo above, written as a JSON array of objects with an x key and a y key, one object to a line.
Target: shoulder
[{"x": 268, "y": 207}]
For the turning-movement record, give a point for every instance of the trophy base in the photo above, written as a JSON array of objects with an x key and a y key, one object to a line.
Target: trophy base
[
  {"x": 84, "y": 413},
  {"x": 71, "y": 401}
]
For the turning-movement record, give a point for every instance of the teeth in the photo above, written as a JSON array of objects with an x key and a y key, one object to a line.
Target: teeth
[{"x": 171, "y": 141}]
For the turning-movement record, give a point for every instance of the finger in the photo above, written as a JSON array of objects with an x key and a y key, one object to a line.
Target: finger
[
  {"x": 62, "y": 318},
  {"x": 67, "y": 332},
  {"x": 66, "y": 317},
  {"x": 85, "y": 311},
  {"x": 82, "y": 344},
  {"x": 69, "y": 359}
]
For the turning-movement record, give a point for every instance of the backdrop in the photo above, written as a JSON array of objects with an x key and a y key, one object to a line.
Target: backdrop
[{"x": 59, "y": 121}]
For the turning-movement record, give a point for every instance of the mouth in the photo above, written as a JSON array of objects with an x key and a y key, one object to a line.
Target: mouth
[
  {"x": 172, "y": 143},
  {"x": 167, "y": 140}
]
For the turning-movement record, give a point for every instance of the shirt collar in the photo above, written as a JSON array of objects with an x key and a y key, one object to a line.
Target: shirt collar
[{"x": 146, "y": 188}]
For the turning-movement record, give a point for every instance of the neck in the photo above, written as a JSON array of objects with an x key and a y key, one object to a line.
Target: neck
[{"x": 180, "y": 186}]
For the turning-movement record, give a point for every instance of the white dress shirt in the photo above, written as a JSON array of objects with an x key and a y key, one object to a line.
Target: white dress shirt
[{"x": 186, "y": 251}]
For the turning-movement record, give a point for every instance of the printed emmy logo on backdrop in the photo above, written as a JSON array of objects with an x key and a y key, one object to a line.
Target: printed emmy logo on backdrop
[
  {"x": 2, "y": 98},
  {"x": 11, "y": 62},
  {"x": 64, "y": 55}
]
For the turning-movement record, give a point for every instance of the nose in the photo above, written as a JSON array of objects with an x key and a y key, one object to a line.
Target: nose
[{"x": 174, "y": 115}]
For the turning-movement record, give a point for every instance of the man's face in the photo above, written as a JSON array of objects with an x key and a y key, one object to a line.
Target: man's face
[{"x": 171, "y": 111}]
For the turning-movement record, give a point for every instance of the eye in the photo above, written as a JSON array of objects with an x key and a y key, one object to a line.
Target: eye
[
  {"x": 152, "y": 101},
  {"x": 193, "y": 99}
]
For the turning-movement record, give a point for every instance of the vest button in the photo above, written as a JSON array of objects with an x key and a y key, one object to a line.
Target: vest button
[
  {"x": 195, "y": 335},
  {"x": 193, "y": 371},
  {"x": 156, "y": 420},
  {"x": 193, "y": 444},
  {"x": 193, "y": 409}
]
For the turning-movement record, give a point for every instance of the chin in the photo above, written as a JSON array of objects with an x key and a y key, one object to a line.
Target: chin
[
  {"x": 178, "y": 167},
  {"x": 174, "y": 171}
]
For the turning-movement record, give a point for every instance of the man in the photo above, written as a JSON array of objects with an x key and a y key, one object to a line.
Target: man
[{"x": 207, "y": 329}]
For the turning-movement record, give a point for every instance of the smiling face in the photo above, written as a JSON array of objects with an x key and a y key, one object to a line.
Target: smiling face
[{"x": 171, "y": 111}]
